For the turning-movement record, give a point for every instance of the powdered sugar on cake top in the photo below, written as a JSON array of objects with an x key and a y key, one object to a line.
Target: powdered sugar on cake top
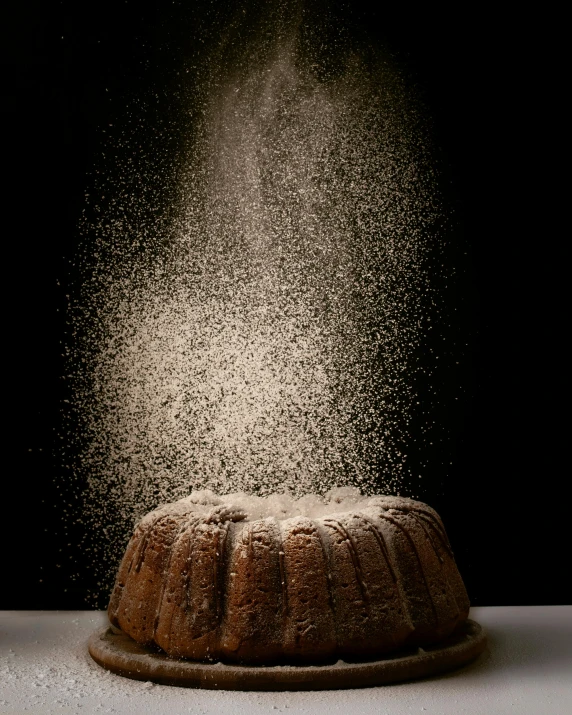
[{"x": 239, "y": 506}]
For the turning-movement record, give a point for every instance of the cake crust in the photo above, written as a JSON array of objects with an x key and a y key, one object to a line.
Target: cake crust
[{"x": 217, "y": 579}]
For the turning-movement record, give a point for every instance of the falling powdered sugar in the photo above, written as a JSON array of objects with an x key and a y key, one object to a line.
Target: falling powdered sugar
[{"x": 262, "y": 339}]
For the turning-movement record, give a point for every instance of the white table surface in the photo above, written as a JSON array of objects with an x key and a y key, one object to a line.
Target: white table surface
[{"x": 527, "y": 669}]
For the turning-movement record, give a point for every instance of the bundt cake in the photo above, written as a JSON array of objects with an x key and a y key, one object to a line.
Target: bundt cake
[{"x": 262, "y": 581}]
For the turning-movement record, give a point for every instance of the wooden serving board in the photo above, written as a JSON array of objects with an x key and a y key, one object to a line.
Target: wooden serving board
[{"x": 120, "y": 654}]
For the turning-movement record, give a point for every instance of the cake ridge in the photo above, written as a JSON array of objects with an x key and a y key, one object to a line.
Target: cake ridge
[
  {"x": 164, "y": 582},
  {"x": 328, "y": 573},
  {"x": 346, "y": 536},
  {"x": 189, "y": 528},
  {"x": 438, "y": 530},
  {"x": 387, "y": 517},
  {"x": 382, "y": 544},
  {"x": 428, "y": 535},
  {"x": 145, "y": 542}
]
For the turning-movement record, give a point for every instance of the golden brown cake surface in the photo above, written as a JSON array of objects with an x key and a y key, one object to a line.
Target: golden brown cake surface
[{"x": 252, "y": 580}]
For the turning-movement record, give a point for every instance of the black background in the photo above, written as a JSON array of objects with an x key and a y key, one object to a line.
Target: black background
[{"x": 487, "y": 83}]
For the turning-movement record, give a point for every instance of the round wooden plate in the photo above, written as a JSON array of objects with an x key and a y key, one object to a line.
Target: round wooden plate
[{"x": 120, "y": 654}]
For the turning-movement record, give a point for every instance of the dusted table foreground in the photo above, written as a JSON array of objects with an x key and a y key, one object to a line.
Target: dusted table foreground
[{"x": 527, "y": 668}]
